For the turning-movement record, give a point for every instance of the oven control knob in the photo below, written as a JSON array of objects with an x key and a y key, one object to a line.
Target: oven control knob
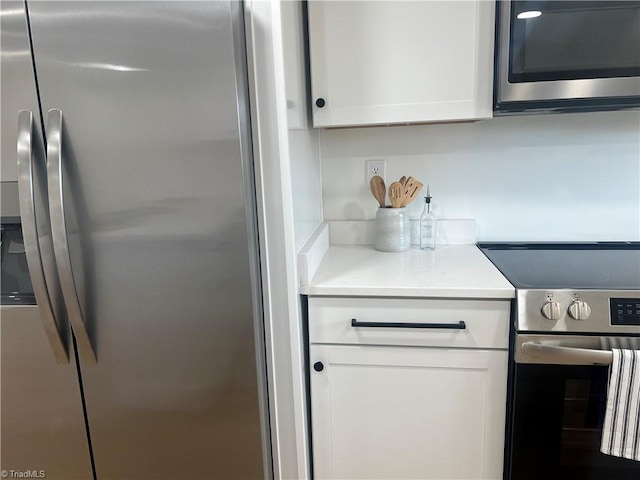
[
  {"x": 579, "y": 310},
  {"x": 552, "y": 310}
]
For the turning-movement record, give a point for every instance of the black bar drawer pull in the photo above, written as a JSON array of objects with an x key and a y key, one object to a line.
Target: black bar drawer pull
[{"x": 450, "y": 326}]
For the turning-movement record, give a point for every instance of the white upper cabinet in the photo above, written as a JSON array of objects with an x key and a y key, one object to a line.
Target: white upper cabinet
[{"x": 389, "y": 62}]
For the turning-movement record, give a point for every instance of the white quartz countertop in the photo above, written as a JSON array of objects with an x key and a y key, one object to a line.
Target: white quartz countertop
[{"x": 454, "y": 271}]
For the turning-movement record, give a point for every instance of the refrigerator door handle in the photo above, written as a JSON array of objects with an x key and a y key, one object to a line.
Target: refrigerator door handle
[
  {"x": 26, "y": 153},
  {"x": 59, "y": 234}
]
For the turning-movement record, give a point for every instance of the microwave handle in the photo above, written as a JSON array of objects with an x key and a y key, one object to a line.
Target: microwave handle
[{"x": 567, "y": 355}]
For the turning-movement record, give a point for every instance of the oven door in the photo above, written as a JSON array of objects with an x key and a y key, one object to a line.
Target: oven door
[
  {"x": 557, "y": 53},
  {"x": 559, "y": 400}
]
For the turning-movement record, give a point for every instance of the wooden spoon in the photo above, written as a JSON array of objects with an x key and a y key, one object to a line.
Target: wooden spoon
[
  {"x": 403, "y": 179},
  {"x": 379, "y": 190},
  {"x": 411, "y": 192},
  {"x": 407, "y": 181},
  {"x": 395, "y": 194},
  {"x": 408, "y": 186}
]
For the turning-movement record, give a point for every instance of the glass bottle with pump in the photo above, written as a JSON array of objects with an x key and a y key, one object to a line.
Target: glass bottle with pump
[{"x": 427, "y": 225}]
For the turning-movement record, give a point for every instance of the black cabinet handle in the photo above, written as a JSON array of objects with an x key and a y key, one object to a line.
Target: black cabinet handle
[
  {"x": 320, "y": 102},
  {"x": 450, "y": 326},
  {"x": 318, "y": 366}
]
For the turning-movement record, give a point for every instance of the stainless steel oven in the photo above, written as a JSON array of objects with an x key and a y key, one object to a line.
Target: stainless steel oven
[
  {"x": 559, "y": 399},
  {"x": 567, "y": 55},
  {"x": 574, "y": 304}
]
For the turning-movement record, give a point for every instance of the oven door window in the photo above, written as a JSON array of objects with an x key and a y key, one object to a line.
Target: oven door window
[
  {"x": 570, "y": 40},
  {"x": 557, "y": 425}
]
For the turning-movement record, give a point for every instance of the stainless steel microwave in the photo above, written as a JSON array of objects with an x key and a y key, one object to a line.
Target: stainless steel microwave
[{"x": 559, "y": 56}]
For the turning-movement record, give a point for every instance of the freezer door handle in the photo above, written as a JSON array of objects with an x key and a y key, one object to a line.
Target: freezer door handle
[
  {"x": 60, "y": 240},
  {"x": 26, "y": 185}
]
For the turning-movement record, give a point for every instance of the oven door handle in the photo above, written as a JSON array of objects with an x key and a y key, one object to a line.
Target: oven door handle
[{"x": 568, "y": 355}]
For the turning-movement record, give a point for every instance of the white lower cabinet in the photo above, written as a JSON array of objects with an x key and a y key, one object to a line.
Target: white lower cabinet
[{"x": 407, "y": 412}]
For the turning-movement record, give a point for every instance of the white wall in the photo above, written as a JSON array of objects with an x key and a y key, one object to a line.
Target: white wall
[
  {"x": 546, "y": 177},
  {"x": 289, "y": 210},
  {"x": 278, "y": 234},
  {"x": 304, "y": 147},
  {"x": 306, "y": 196}
]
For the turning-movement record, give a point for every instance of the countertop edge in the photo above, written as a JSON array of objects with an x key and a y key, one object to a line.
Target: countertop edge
[
  {"x": 359, "y": 271},
  {"x": 485, "y": 294}
]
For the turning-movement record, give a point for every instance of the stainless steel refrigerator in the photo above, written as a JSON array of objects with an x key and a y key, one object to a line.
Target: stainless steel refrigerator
[{"x": 133, "y": 344}]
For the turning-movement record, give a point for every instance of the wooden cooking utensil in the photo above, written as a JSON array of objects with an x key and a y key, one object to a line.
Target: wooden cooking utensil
[
  {"x": 395, "y": 194},
  {"x": 408, "y": 186},
  {"x": 411, "y": 192},
  {"x": 406, "y": 182},
  {"x": 379, "y": 190},
  {"x": 403, "y": 179}
]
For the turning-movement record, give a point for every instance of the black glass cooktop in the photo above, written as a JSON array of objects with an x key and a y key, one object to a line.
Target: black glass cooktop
[{"x": 601, "y": 266}]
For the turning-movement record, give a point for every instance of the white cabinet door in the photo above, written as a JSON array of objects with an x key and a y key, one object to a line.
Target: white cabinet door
[
  {"x": 383, "y": 62},
  {"x": 407, "y": 413}
]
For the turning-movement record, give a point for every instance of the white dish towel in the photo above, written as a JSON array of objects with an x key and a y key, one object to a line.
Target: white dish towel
[{"x": 621, "y": 430}]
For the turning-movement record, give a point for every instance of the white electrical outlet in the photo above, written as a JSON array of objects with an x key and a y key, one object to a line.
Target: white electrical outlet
[{"x": 373, "y": 168}]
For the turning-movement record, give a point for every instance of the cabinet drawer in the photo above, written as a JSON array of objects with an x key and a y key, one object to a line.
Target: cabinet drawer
[{"x": 417, "y": 322}]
